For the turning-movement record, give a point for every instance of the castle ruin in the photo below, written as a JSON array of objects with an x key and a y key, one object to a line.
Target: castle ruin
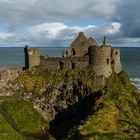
[
  {"x": 83, "y": 54},
  {"x": 32, "y": 57}
]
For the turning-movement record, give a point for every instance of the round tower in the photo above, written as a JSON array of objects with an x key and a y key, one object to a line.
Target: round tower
[
  {"x": 116, "y": 63},
  {"x": 100, "y": 60}
]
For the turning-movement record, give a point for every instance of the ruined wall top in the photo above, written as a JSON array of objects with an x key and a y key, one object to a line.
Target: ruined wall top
[
  {"x": 80, "y": 45},
  {"x": 82, "y": 41},
  {"x": 32, "y": 57},
  {"x": 101, "y": 58},
  {"x": 31, "y": 51}
]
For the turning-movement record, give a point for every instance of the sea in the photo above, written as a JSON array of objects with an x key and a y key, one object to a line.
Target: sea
[{"x": 130, "y": 58}]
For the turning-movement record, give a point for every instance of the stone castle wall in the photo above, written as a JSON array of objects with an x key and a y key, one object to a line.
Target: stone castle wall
[
  {"x": 80, "y": 45},
  {"x": 65, "y": 63},
  {"x": 32, "y": 57},
  {"x": 116, "y": 62},
  {"x": 99, "y": 60}
]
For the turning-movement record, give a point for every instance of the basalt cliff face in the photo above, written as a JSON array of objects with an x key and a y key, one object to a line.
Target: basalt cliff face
[{"x": 82, "y": 105}]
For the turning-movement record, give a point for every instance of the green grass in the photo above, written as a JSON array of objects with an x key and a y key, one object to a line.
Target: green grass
[
  {"x": 34, "y": 81},
  {"x": 22, "y": 116},
  {"x": 119, "y": 117},
  {"x": 7, "y": 132},
  {"x": 116, "y": 114}
]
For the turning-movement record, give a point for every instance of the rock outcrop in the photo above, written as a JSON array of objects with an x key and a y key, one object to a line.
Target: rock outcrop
[{"x": 82, "y": 104}]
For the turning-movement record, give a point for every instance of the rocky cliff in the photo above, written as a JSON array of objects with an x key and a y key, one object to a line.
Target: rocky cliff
[{"x": 82, "y": 105}]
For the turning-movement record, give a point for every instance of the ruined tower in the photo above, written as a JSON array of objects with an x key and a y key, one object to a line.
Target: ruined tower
[
  {"x": 32, "y": 57},
  {"x": 104, "y": 59},
  {"x": 99, "y": 60},
  {"x": 116, "y": 63},
  {"x": 79, "y": 46}
]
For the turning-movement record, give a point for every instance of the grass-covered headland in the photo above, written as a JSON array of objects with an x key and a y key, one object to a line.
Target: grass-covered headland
[{"x": 77, "y": 105}]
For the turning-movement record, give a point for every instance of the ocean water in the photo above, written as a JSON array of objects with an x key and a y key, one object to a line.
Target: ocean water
[{"x": 130, "y": 58}]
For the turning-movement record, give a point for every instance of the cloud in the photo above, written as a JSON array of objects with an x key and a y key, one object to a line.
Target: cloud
[
  {"x": 61, "y": 34},
  {"x": 127, "y": 12},
  {"x": 51, "y": 22},
  {"x": 17, "y": 12},
  {"x": 58, "y": 34},
  {"x": 78, "y": 8},
  {"x": 6, "y": 36}
]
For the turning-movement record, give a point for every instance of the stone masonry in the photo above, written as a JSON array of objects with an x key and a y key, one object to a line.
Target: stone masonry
[
  {"x": 104, "y": 59},
  {"x": 99, "y": 60},
  {"x": 32, "y": 57},
  {"x": 83, "y": 54}
]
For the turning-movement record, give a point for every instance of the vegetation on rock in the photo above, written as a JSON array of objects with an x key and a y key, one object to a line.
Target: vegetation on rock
[
  {"x": 119, "y": 116},
  {"x": 82, "y": 105}
]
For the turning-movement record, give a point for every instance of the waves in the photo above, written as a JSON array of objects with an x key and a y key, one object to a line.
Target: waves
[{"x": 135, "y": 82}]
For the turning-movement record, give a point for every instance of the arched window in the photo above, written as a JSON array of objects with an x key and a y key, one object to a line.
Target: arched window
[
  {"x": 112, "y": 62},
  {"x": 72, "y": 64},
  {"x": 73, "y": 51},
  {"x": 61, "y": 64},
  {"x": 107, "y": 61}
]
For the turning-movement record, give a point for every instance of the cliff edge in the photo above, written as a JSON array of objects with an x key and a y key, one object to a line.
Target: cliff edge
[{"x": 82, "y": 105}]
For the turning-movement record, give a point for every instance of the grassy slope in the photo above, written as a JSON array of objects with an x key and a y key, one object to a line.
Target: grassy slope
[
  {"x": 7, "y": 132},
  {"x": 119, "y": 116},
  {"x": 116, "y": 112},
  {"x": 21, "y": 115}
]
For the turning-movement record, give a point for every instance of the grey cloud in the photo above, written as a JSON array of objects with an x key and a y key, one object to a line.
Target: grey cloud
[
  {"x": 16, "y": 12},
  {"x": 64, "y": 34},
  {"x": 78, "y": 8},
  {"x": 128, "y": 13}
]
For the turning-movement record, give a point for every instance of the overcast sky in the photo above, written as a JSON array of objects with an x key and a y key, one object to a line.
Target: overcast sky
[{"x": 55, "y": 23}]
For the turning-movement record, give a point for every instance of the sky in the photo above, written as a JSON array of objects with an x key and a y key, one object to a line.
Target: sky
[{"x": 55, "y": 23}]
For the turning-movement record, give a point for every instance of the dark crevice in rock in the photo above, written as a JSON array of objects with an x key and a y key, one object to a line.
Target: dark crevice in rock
[{"x": 67, "y": 119}]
